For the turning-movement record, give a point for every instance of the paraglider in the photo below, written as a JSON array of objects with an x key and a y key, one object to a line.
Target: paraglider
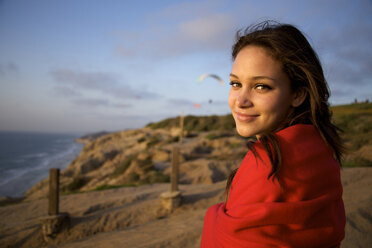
[{"x": 201, "y": 78}]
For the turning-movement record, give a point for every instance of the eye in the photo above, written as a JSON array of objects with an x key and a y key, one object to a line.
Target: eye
[
  {"x": 235, "y": 84},
  {"x": 262, "y": 87}
]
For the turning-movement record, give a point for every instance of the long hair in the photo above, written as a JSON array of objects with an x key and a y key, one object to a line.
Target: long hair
[{"x": 286, "y": 44}]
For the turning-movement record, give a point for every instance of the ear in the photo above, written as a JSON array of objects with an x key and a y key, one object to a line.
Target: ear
[{"x": 299, "y": 97}]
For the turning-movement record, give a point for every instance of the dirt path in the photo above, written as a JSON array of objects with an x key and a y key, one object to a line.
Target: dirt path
[{"x": 133, "y": 217}]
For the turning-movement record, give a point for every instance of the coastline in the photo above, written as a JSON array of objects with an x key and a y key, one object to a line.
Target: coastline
[
  {"x": 27, "y": 157},
  {"x": 82, "y": 141}
]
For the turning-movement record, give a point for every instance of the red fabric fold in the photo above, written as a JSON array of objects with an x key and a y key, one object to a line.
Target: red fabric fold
[{"x": 306, "y": 210}]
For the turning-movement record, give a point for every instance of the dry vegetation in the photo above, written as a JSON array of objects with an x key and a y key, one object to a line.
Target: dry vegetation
[{"x": 356, "y": 122}]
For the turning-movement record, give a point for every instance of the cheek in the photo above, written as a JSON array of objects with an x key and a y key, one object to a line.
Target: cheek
[
  {"x": 266, "y": 104},
  {"x": 231, "y": 99},
  {"x": 276, "y": 105}
]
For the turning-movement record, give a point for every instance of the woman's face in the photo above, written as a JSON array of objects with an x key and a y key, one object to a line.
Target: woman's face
[{"x": 260, "y": 96}]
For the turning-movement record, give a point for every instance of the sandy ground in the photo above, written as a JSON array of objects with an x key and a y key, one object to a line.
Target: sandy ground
[{"x": 133, "y": 217}]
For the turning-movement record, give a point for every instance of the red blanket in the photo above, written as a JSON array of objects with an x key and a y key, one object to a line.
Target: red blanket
[{"x": 305, "y": 211}]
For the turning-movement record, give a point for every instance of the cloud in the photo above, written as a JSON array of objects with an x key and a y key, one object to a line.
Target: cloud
[
  {"x": 65, "y": 91},
  {"x": 98, "y": 102},
  {"x": 83, "y": 80},
  {"x": 125, "y": 52},
  {"x": 185, "y": 10},
  {"x": 98, "y": 81},
  {"x": 8, "y": 68},
  {"x": 208, "y": 32},
  {"x": 348, "y": 59},
  {"x": 340, "y": 92},
  {"x": 91, "y": 102},
  {"x": 188, "y": 103},
  {"x": 178, "y": 30},
  {"x": 180, "y": 102}
]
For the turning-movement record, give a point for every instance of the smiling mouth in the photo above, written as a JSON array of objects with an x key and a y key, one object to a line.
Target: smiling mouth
[{"x": 245, "y": 118}]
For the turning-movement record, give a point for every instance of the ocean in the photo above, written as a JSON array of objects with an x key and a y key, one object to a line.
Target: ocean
[{"x": 25, "y": 158}]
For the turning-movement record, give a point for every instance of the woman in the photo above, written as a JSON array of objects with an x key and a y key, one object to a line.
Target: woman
[{"x": 287, "y": 192}]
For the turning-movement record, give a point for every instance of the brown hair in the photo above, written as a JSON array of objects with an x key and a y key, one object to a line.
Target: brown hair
[{"x": 286, "y": 44}]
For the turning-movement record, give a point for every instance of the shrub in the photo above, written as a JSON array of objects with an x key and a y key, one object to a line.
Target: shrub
[
  {"x": 123, "y": 166},
  {"x": 217, "y": 135},
  {"x": 133, "y": 177},
  {"x": 173, "y": 139},
  {"x": 358, "y": 162},
  {"x": 105, "y": 187},
  {"x": 110, "y": 155},
  {"x": 198, "y": 123},
  {"x": 153, "y": 141},
  {"x": 108, "y": 186},
  {"x": 77, "y": 183},
  {"x": 155, "y": 176},
  {"x": 235, "y": 145},
  {"x": 144, "y": 162}
]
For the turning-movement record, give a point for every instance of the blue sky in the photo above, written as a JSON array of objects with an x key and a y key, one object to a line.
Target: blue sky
[{"x": 87, "y": 65}]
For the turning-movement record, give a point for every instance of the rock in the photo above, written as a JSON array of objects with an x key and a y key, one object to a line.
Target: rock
[
  {"x": 365, "y": 152},
  {"x": 160, "y": 156}
]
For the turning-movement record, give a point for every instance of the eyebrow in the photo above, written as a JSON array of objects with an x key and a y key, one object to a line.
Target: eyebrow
[{"x": 254, "y": 78}]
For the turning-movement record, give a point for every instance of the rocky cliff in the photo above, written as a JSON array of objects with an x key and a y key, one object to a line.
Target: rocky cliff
[
  {"x": 142, "y": 156},
  {"x": 210, "y": 150}
]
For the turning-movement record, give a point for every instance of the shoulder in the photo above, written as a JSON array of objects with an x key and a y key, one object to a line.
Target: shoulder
[
  {"x": 308, "y": 165},
  {"x": 301, "y": 136},
  {"x": 301, "y": 142},
  {"x": 308, "y": 168},
  {"x": 302, "y": 147}
]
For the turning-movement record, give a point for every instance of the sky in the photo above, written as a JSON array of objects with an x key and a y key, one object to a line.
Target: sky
[{"x": 82, "y": 66}]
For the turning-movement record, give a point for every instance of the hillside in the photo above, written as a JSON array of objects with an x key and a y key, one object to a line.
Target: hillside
[
  {"x": 142, "y": 156},
  {"x": 356, "y": 122},
  {"x": 211, "y": 149}
]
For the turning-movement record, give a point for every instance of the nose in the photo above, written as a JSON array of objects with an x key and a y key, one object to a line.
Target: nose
[{"x": 243, "y": 100}]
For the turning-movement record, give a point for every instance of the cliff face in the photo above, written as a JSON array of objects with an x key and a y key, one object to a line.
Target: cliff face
[
  {"x": 211, "y": 149},
  {"x": 143, "y": 156}
]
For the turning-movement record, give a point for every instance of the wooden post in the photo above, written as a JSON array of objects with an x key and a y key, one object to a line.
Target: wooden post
[
  {"x": 174, "y": 175},
  {"x": 172, "y": 199},
  {"x": 53, "y": 192},
  {"x": 55, "y": 222},
  {"x": 181, "y": 127}
]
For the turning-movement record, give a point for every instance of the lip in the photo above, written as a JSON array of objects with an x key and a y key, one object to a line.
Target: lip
[{"x": 245, "y": 117}]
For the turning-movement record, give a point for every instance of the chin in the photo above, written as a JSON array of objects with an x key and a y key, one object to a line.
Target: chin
[{"x": 245, "y": 133}]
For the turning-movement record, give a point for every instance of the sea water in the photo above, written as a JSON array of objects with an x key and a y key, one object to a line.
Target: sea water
[{"x": 25, "y": 158}]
